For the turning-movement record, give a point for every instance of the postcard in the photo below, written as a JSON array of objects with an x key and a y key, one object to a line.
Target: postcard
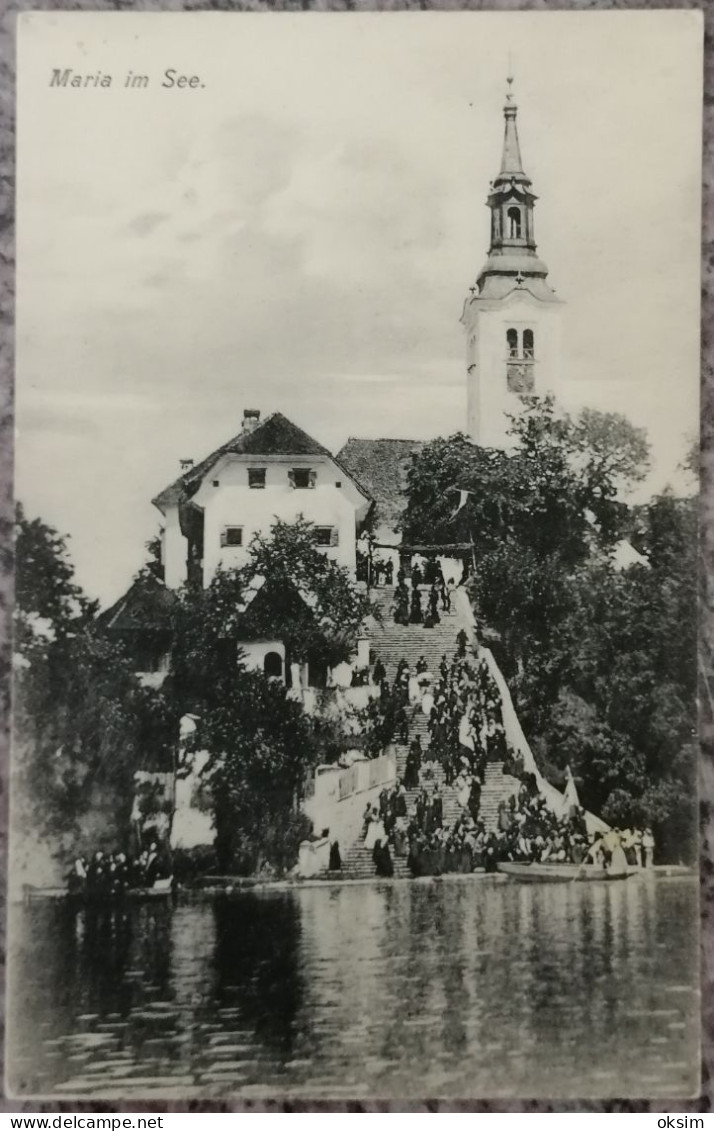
[{"x": 357, "y": 383}]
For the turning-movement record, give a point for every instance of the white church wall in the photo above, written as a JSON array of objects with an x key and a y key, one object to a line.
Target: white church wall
[{"x": 489, "y": 399}]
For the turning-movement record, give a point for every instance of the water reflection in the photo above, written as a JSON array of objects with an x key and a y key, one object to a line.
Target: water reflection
[{"x": 430, "y": 988}]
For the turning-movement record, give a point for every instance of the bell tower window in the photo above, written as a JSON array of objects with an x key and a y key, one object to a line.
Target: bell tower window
[
  {"x": 528, "y": 345},
  {"x": 514, "y": 223},
  {"x": 512, "y": 342}
]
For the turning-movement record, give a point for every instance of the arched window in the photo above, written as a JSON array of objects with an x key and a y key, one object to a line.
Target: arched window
[
  {"x": 273, "y": 665},
  {"x": 528, "y": 345},
  {"x": 512, "y": 342},
  {"x": 514, "y": 223}
]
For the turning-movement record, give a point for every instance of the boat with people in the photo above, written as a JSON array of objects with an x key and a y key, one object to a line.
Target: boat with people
[
  {"x": 538, "y": 873},
  {"x": 160, "y": 889}
]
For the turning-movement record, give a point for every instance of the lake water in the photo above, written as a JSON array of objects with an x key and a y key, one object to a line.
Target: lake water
[{"x": 459, "y": 988}]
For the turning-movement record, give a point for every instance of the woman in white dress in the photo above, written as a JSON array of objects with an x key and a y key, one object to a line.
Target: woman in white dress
[
  {"x": 375, "y": 831},
  {"x": 427, "y": 702}
]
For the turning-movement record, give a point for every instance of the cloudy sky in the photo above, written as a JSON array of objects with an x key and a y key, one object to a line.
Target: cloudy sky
[{"x": 298, "y": 232}]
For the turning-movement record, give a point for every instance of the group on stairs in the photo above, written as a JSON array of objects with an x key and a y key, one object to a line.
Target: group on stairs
[{"x": 444, "y": 710}]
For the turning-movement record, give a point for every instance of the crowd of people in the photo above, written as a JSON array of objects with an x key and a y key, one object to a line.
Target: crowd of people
[
  {"x": 423, "y": 607},
  {"x": 111, "y": 875},
  {"x": 463, "y": 710}
]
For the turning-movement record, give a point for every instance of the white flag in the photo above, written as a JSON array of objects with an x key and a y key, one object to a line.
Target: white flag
[{"x": 463, "y": 496}]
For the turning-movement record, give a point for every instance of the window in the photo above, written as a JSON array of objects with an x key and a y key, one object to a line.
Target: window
[
  {"x": 302, "y": 478},
  {"x": 326, "y": 535},
  {"x": 273, "y": 665},
  {"x": 528, "y": 345},
  {"x": 514, "y": 223},
  {"x": 512, "y": 342},
  {"x": 256, "y": 477},
  {"x": 232, "y": 536}
]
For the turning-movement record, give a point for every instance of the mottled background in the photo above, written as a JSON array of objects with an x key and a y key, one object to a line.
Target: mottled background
[{"x": 7, "y": 181}]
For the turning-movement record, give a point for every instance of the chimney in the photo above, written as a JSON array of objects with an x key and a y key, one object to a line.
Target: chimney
[{"x": 251, "y": 417}]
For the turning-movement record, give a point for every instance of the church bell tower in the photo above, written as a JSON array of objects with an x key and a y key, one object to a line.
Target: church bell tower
[{"x": 511, "y": 315}]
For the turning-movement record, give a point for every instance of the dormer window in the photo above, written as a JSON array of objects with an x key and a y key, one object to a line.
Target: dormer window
[
  {"x": 302, "y": 478},
  {"x": 256, "y": 477},
  {"x": 232, "y": 536},
  {"x": 514, "y": 223}
]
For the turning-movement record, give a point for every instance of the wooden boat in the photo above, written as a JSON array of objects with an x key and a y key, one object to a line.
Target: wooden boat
[
  {"x": 160, "y": 889},
  {"x": 560, "y": 873}
]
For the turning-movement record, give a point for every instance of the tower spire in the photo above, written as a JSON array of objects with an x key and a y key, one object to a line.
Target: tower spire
[{"x": 511, "y": 163}]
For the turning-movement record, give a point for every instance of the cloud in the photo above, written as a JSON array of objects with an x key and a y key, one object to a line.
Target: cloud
[{"x": 144, "y": 224}]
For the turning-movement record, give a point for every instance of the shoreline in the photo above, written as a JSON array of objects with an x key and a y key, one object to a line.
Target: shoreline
[{"x": 231, "y": 885}]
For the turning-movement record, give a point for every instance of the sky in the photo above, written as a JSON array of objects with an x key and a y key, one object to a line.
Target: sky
[{"x": 299, "y": 229}]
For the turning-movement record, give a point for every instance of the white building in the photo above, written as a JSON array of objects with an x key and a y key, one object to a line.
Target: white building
[
  {"x": 512, "y": 316},
  {"x": 271, "y": 469}
]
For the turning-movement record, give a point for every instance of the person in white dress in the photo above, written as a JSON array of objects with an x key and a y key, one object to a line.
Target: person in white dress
[{"x": 375, "y": 831}]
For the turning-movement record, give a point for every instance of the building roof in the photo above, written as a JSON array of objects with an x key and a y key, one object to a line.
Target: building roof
[
  {"x": 382, "y": 466},
  {"x": 146, "y": 605},
  {"x": 273, "y": 436},
  {"x": 511, "y": 163}
]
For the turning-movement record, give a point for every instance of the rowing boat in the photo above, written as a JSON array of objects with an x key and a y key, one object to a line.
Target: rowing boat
[{"x": 560, "y": 873}]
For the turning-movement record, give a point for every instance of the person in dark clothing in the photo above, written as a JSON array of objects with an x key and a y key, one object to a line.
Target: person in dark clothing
[
  {"x": 402, "y": 726},
  {"x": 400, "y": 802},
  {"x": 380, "y": 673},
  {"x": 154, "y": 869},
  {"x": 416, "y": 750},
  {"x": 389, "y": 573},
  {"x": 411, "y": 770},
  {"x": 97, "y": 877},
  {"x": 421, "y": 666},
  {"x": 382, "y": 860},
  {"x": 474, "y": 803},
  {"x": 401, "y": 604},
  {"x": 446, "y": 598},
  {"x": 461, "y": 641},
  {"x": 416, "y": 576},
  {"x": 335, "y": 864},
  {"x": 435, "y": 817},
  {"x": 415, "y": 615},
  {"x": 434, "y": 604}
]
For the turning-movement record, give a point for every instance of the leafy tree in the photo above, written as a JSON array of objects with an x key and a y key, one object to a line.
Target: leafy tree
[
  {"x": 83, "y": 723},
  {"x": 259, "y": 740},
  {"x": 260, "y": 745},
  {"x": 600, "y": 661}
]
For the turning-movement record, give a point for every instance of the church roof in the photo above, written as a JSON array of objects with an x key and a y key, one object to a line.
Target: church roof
[
  {"x": 500, "y": 286},
  {"x": 382, "y": 466},
  {"x": 511, "y": 162},
  {"x": 147, "y": 604},
  {"x": 273, "y": 436}
]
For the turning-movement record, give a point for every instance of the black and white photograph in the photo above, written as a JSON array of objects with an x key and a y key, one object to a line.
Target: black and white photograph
[{"x": 354, "y": 746}]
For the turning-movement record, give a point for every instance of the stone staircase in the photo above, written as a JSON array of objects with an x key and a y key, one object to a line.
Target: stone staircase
[
  {"x": 357, "y": 864},
  {"x": 497, "y": 787},
  {"x": 391, "y": 643},
  {"x": 394, "y": 642}
]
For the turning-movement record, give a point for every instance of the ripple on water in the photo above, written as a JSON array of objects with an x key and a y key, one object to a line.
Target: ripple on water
[{"x": 412, "y": 989}]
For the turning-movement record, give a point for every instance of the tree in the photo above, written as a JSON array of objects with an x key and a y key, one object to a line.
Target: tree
[
  {"x": 260, "y": 742},
  {"x": 600, "y": 661},
  {"x": 260, "y": 746},
  {"x": 83, "y": 723}
]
